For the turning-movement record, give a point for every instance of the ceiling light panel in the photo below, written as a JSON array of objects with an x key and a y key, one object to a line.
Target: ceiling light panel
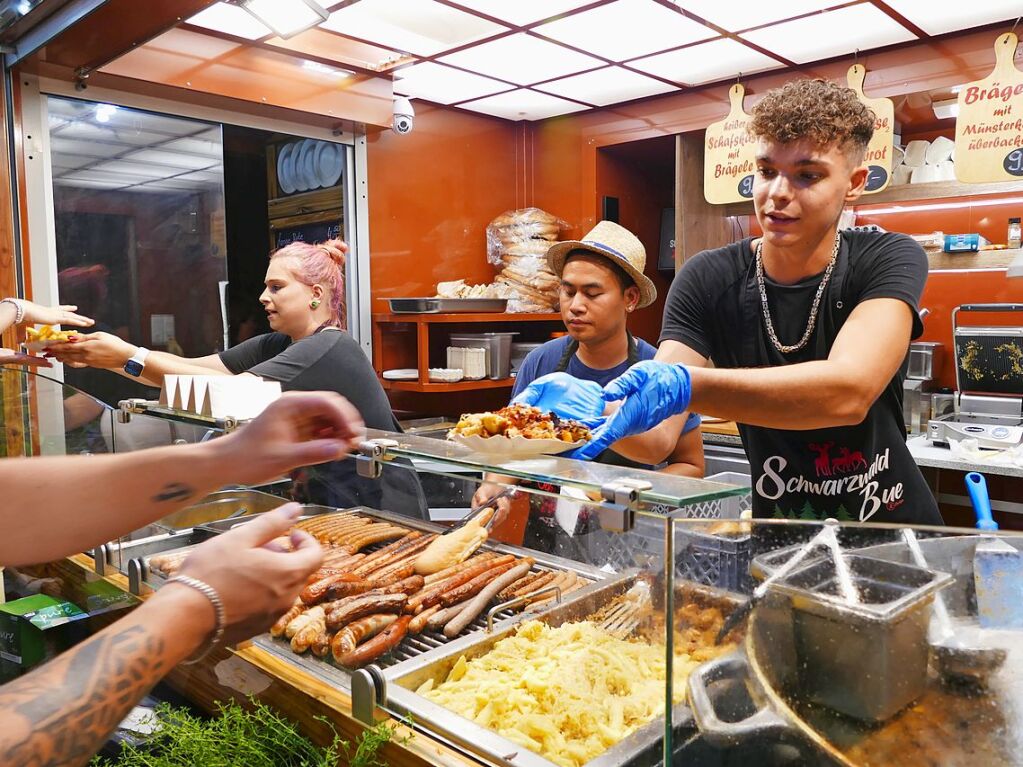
[
  {"x": 443, "y": 85},
  {"x": 939, "y": 18},
  {"x": 734, "y": 15},
  {"x": 521, "y": 59},
  {"x": 287, "y": 17},
  {"x": 422, "y": 27},
  {"x": 835, "y": 33},
  {"x": 522, "y": 12},
  {"x": 707, "y": 62},
  {"x": 523, "y": 105},
  {"x": 610, "y": 85},
  {"x": 231, "y": 20},
  {"x": 626, "y": 29}
]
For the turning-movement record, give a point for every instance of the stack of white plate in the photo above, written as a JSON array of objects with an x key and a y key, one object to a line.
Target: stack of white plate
[
  {"x": 446, "y": 375},
  {"x": 308, "y": 164}
]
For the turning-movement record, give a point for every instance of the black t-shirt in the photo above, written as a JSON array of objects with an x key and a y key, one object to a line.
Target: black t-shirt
[
  {"x": 862, "y": 472},
  {"x": 331, "y": 360}
]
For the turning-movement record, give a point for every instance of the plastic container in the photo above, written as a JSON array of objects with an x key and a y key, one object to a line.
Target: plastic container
[{"x": 498, "y": 346}]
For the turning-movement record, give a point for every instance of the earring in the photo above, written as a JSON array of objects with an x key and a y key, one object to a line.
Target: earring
[{"x": 314, "y": 303}]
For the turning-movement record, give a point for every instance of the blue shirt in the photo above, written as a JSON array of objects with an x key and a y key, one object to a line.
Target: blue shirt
[{"x": 545, "y": 359}]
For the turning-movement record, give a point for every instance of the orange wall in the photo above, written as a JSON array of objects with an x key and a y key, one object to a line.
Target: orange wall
[{"x": 432, "y": 194}]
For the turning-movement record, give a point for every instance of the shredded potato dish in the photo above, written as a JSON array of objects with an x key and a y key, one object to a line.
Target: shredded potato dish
[{"x": 566, "y": 693}]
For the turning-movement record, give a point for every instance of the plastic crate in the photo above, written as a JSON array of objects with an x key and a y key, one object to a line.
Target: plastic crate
[{"x": 714, "y": 560}]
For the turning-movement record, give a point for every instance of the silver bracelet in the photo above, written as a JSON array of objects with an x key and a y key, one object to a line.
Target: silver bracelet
[
  {"x": 19, "y": 309},
  {"x": 218, "y": 608}
]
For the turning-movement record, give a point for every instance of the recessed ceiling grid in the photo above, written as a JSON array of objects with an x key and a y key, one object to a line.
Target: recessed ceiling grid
[{"x": 562, "y": 56}]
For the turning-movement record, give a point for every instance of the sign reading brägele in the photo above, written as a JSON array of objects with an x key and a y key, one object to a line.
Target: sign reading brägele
[{"x": 989, "y": 128}]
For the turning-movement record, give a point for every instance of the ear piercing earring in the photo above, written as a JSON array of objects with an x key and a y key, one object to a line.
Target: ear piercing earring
[{"x": 314, "y": 303}]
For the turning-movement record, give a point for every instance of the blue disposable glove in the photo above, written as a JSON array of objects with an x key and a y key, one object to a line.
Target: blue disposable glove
[
  {"x": 567, "y": 396},
  {"x": 653, "y": 391}
]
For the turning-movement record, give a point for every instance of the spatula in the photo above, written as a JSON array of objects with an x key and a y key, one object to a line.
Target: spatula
[{"x": 997, "y": 566}]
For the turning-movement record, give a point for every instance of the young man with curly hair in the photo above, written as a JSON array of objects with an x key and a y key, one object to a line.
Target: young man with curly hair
[{"x": 807, "y": 327}]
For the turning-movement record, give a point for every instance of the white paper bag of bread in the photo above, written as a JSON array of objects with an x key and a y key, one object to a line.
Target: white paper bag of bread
[{"x": 517, "y": 243}]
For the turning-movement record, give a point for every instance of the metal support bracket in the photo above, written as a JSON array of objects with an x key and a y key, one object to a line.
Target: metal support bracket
[
  {"x": 101, "y": 558},
  {"x": 369, "y": 690},
  {"x": 617, "y": 513},
  {"x": 369, "y": 462}
]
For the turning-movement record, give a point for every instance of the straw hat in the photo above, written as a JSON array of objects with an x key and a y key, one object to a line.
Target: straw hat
[{"x": 615, "y": 243}]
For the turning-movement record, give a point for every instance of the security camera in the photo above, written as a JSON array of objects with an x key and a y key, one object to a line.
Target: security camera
[{"x": 404, "y": 116}]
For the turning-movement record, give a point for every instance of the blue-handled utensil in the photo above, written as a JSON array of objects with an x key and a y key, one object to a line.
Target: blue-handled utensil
[
  {"x": 997, "y": 566},
  {"x": 976, "y": 486}
]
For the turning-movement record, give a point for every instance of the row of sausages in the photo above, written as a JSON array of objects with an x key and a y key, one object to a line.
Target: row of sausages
[{"x": 358, "y": 607}]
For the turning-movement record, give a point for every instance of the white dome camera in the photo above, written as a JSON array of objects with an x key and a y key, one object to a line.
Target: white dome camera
[{"x": 404, "y": 116}]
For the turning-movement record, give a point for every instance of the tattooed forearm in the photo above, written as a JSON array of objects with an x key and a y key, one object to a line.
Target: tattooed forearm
[
  {"x": 62, "y": 713},
  {"x": 174, "y": 491}
]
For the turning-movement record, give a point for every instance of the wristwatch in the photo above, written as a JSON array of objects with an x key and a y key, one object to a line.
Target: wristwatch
[{"x": 137, "y": 363}]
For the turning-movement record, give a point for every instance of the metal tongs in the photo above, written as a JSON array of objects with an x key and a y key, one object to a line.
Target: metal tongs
[
  {"x": 490, "y": 503},
  {"x": 827, "y": 537}
]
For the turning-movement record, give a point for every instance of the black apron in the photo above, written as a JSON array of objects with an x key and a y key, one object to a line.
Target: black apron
[{"x": 853, "y": 473}]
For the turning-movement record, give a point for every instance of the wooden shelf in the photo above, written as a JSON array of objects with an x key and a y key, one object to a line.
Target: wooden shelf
[
  {"x": 416, "y": 386},
  {"x": 433, "y": 319},
  {"x": 937, "y": 190},
  {"x": 984, "y": 259}
]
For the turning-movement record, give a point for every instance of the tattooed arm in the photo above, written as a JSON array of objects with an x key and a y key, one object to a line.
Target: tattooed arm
[
  {"x": 62, "y": 713},
  {"x": 58, "y": 505}
]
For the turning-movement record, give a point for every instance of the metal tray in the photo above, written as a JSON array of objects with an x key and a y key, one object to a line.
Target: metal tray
[
  {"x": 447, "y": 305},
  {"x": 222, "y": 504},
  {"x": 640, "y": 749}
]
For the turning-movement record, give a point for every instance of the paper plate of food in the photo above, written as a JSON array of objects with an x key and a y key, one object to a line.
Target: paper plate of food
[
  {"x": 36, "y": 340},
  {"x": 519, "y": 431}
]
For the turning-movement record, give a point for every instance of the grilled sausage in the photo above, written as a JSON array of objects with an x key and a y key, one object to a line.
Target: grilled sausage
[
  {"x": 343, "y": 589},
  {"x": 281, "y": 625},
  {"x": 375, "y": 558},
  {"x": 409, "y": 549},
  {"x": 536, "y": 584},
  {"x": 344, "y": 611},
  {"x": 393, "y": 574},
  {"x": 419, "y": 623},
  {"x": 350, "y": 636},
  {"x": 381, "y": 534},
  {"x": 509, "y": 592},
  {"x": 432, "y": 596},
  {"x": 447, "y": 572},
  {"x": 310, "y": 630},
  {"x": 456, "y": 625},
  {"x": 563, "y": 581},
  {"x": 443, "y": 615},
  {"x": 407, "y": 586},
  {"x": 316, "y": 592},
  {"x": 386, "y": 641},
  {"x": 472, "y": 587}
]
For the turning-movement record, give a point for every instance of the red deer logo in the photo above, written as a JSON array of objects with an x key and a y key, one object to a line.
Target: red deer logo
[
  {"x": 848, "y": 461},
  {"x": 822, "y": 463}
]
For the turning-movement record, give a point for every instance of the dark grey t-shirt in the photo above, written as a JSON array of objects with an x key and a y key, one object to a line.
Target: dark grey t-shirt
[{"x": 331, "y": 360}]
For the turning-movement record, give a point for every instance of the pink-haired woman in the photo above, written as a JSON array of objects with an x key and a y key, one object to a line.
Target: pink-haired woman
[{"x": 308, "y": 349}]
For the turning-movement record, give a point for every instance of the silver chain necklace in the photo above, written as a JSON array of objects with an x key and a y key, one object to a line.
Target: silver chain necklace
[{"x": 812, "y": 320}]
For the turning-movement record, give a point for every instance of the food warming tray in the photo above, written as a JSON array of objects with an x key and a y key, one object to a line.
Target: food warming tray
[
  {"x": 640, "y": 749},
  {"x": 447, "y": 305}
]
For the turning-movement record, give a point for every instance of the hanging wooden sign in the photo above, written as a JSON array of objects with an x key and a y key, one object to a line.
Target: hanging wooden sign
[
  {"x": 729, "y": 157},
  {"x": 989, "y": 128},
  {"x": 879, "y": 152}
]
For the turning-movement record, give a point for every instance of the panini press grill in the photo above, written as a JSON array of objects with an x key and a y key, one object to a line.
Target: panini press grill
[{"x": 989, "y": 383}]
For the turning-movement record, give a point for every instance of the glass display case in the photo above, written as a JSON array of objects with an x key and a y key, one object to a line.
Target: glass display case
[{"x": 602, "y": 597}]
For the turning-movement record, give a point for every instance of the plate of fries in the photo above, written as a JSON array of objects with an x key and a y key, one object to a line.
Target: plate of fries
[
  {"x": 518, "y": 431},
  {"x": 36, "y": 340}
]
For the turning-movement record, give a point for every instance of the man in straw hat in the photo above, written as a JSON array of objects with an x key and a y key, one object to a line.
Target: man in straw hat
[
  {"x": 808, "y": 328},
  {"x": 602, "y": 283}
]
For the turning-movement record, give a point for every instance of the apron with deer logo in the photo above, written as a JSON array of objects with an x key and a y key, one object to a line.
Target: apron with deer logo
[{"x": 852, "y": 473}]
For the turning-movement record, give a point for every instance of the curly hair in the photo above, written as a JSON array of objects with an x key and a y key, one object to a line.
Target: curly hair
[{"x": 818, "y": 111}]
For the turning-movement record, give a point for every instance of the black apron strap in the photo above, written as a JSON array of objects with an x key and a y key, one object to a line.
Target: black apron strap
[
  {"x": 633, "y": 350},
  {"x": 835, "y": 307},
  {"x": 570, "y": 350}
]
